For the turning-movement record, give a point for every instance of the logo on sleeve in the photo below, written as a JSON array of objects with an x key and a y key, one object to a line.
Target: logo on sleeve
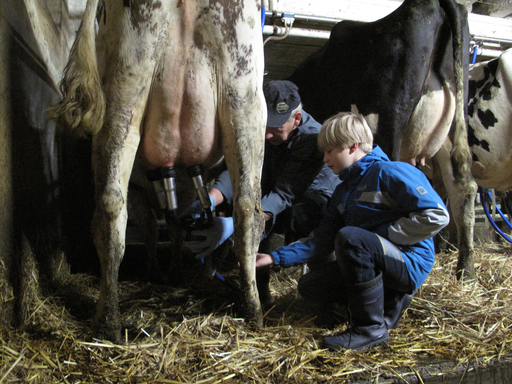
[{"x": 421, "y": 190}]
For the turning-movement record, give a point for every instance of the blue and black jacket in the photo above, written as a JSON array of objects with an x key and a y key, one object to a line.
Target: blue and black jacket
[{"x": 392, "y": 199}]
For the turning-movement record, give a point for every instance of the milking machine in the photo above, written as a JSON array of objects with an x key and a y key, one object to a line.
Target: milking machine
[
  {"x": 164, "y": 184},
  {"x": 205, "y": 220}
]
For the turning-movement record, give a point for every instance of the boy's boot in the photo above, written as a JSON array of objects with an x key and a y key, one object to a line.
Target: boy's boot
[
  {"x": 367, "y": 326},
  {"x": 395, "y": 304}
]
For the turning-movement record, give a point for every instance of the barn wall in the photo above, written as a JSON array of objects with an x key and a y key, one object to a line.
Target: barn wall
[
  {"x": 6, "y": 200},
  {"x": 37, "y": 174}
]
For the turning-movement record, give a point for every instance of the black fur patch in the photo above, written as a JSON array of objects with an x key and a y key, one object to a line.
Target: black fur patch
[{"x": 487, "y": 118}]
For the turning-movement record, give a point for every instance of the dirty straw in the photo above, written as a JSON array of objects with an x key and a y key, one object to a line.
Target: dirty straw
[{"x": 192, "y": 334}]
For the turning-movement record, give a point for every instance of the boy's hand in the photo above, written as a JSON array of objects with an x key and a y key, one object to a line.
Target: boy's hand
[{"x": 264, "y": 260}]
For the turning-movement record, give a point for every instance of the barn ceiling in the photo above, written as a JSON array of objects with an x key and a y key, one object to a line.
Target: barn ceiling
[{"x": 295, "y": 29}]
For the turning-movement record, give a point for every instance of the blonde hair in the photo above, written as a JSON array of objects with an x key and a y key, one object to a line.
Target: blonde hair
[{"x": 343, "y": 130}]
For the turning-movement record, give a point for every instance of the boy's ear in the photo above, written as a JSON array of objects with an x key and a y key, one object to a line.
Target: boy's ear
[{"x": 354, "y": 147}]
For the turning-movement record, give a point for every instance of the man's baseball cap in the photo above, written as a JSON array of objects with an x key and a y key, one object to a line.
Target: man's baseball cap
[{"x": 282, "y": 98}]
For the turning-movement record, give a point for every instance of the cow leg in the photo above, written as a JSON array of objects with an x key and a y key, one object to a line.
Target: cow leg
[
  {"x": 242, "y": 117},
  {"x": 109, "y": 221},
  {"x": 245, "y": 160},
  {"x": 114, "y": 150},
  {"x": 242, "y": 122},
  {"x": 461, "y": 193}
]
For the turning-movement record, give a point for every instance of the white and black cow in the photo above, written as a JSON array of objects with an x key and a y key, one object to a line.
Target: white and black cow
[
  {"x": 490, "y": 122},
  {"x": 407, "y": 73},
  {"x": 178, "y": 84}
]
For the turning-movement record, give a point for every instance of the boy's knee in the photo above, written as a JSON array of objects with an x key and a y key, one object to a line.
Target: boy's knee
[
  {"x": 346, "y": 239},
  {"x": 351, "y": 247}
]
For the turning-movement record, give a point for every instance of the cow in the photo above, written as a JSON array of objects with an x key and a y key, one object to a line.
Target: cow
[
  {"x": 177, "y": 85},
  {"x": 407, "y": 74},
  {"x": 490, "y": 122}
]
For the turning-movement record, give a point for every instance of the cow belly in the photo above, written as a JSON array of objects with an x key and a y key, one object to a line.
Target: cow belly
[
  {"x": 429, "y": 124},
  {"x": 493, "y": 155},
  {"x": 492, "y": 177},
  {"x": 490, "y": 123}
]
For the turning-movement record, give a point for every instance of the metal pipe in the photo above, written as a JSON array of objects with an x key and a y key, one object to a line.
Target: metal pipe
[
  {"x": 329, "y": 22},
  {"x": 316, "y": 19},
  {"x": 494, "y": 53},
  {"x": 297, "y": 32},
  {"x": 491, "y": 40}
]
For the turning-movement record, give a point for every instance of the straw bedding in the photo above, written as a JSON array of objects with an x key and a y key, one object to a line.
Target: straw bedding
[{"x": 191, "y": 334}]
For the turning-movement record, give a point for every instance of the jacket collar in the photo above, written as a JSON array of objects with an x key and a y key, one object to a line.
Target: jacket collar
[{"x": 364, "y": 163}]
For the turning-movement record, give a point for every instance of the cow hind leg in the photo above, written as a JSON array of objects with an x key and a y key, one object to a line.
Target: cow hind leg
[
  {"x": 114, "y": 151},
  {"x": 461, "y": 192},
  {"x": 112, "y": 172},
  {"x": 243, "y": 146}
]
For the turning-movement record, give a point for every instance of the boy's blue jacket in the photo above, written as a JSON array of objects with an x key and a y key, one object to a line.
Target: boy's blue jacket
[{"x": 392, "y": 199}]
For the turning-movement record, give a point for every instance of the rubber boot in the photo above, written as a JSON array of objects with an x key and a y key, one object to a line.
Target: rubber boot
[
  {"x": 395, "y": 304},
  {"x": 367, "y": 326},
  {"x": 322, "y": 287}
]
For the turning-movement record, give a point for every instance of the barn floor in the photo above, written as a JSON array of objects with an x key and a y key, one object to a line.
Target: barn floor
[{"x": 189, "y": 331}]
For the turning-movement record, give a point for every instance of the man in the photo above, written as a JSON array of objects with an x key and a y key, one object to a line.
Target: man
[
  {"x": 380, "y": 222},
  {"x": 296, "y": 184}
]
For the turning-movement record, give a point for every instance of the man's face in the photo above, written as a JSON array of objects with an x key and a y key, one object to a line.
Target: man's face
[{"x": 277, "y": 136}]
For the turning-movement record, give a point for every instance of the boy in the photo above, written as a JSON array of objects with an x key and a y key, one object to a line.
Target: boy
[{"x": 380, "y": 223}]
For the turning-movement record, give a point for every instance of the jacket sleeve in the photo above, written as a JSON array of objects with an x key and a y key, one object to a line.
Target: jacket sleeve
[
  {"x": 298, "y": 172},
  {"x": 321, "y": 244},
  {"x": 427, "y": 212},
  {"x": 223, "y": 184},
  {"x": 418, "y": 226}
]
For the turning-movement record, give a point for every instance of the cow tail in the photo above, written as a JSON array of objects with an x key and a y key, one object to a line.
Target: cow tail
[
  {"x": 458, "y": 20},
  {"x": 82, "y": 108}
]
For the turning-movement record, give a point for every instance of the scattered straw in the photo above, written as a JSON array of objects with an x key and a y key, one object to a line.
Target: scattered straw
[{"x": 191, "y": 334}]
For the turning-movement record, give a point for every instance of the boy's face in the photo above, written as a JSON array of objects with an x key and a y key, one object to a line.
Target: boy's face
[{"x": 339, "y": 159}]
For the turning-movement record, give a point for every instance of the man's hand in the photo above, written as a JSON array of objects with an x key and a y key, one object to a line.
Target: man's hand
[
  {"x": 214, "y": 236},
  {"x": 194, "y": 211},
  {"x": 264, "y": 260}
]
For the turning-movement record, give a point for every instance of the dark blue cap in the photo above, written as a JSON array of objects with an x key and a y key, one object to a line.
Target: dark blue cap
[{"x": 282, "y": 97}]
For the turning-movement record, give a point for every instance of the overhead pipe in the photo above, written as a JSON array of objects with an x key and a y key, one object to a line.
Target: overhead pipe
[
  {"x": 296, "y": 32},
  {"x": 317, "y": 19},
  {"x": 326, "y": 23}
]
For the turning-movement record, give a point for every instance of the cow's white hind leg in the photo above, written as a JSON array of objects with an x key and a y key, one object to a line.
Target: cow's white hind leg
[
  {"x": 243, "y": 128},
  {"x": 242, "y": 119},
  {"x": 127, "y": 78},
  {"x": 113, "y": 154},
  {"x": 245, "y": 168}
]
